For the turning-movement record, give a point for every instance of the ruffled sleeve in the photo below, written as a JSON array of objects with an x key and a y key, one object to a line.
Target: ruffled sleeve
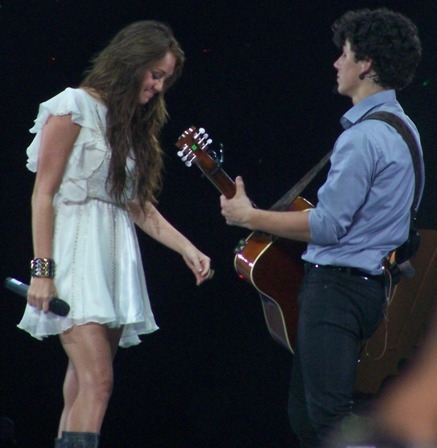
[{"x": 90, "y": 148}]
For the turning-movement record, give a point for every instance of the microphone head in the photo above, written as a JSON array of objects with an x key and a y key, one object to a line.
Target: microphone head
[{"x": 59, "y": 307}]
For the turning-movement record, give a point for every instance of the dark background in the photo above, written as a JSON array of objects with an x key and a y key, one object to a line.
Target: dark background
[{"x": 259, "y": 78}]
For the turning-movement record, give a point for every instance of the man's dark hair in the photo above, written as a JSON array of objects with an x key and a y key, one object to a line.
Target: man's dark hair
[{"x": 388, "y": 38}]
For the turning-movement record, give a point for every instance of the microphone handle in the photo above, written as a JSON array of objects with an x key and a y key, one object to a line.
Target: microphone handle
[{"x": 56, "y": 305}]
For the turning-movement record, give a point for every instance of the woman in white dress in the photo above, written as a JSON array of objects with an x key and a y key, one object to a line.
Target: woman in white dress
[{"x": 98, "y": 165}]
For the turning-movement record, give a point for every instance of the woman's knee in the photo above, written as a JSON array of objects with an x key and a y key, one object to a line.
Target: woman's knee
[
  {"x": 90, "y": 352},
  {"x": 98, "y": 382}
]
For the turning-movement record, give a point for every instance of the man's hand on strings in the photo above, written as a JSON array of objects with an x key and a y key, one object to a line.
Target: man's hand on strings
[{"x": 238, "y": 209}]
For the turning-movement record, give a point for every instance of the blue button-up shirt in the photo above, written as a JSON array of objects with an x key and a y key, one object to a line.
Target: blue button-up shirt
[{"x": 363, "y": 209}]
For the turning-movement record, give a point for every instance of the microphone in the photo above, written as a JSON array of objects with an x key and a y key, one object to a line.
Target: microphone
[{"x": 56, "y": 306}]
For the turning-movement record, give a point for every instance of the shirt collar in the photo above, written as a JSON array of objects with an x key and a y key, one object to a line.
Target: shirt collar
[{"x": 357, "y": 112}]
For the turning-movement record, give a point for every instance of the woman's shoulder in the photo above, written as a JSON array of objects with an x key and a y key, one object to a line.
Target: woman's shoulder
[
  {"x": 90, "y": 94},
  {"x": 71, "y": 96},
  {"x": 77, "y": 102}
]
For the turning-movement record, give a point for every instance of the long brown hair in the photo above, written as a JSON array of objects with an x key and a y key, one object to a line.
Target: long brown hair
[{"x": 115, "y": 75}]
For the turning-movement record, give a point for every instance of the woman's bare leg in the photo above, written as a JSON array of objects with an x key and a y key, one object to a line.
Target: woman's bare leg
[
  {"x": 89, "y": 378},
  {"x": 70, "y": 392}
]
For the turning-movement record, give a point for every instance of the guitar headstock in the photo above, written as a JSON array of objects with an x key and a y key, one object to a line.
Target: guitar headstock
[{"x": 193, "y": 146}]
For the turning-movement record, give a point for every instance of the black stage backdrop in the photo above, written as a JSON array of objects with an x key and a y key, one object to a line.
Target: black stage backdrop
[{"x": 259, "y": 78}]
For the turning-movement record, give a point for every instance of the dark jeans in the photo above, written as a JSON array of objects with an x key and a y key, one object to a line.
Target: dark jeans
[{"x": 337, "y": 311}]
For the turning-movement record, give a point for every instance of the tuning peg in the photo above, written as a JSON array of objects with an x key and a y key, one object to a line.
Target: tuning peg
[
  {"x": 199, "y": 133},
  {"x": 189, "y": 159},
  {"x": 204, "y": 141}
]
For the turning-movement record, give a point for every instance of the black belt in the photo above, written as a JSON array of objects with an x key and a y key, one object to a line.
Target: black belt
[{"x": 347, "y": 270}]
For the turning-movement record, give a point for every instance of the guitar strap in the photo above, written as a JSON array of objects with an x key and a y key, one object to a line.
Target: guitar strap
[
  {"x": 401, "y": 266},
  {"x": 405, "y": 132},
  {"x": 297, "y": 189}
]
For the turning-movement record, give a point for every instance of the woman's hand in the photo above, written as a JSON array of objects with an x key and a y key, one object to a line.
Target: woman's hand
[
  {"x": 41, "y": 291},
  {"x": 199, "y": 264}
]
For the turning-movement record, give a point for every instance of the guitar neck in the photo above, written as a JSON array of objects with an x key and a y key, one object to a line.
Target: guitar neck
[{"x": 219, "y": 179}]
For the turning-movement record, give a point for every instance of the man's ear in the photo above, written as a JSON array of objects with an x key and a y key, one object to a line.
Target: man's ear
[{"x": 366, "y": 67}]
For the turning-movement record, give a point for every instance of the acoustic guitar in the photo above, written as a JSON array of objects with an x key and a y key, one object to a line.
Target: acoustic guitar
[{"x": 272, "y": 265}]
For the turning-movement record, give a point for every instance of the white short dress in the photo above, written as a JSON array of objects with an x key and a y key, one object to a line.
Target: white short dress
[{"x": 99, "y": 271}]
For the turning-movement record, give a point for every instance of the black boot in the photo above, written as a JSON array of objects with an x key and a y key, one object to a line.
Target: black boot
[{"x": 80, "y": 439}]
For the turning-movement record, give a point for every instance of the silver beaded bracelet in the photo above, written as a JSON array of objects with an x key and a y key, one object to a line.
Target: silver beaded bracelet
[{"x": 42, "y": 267}]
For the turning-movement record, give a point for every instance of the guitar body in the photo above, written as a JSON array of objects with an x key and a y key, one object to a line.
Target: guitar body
[
  {"x": 275, "y": 268},
  {"x": 272, "y": 265}
]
